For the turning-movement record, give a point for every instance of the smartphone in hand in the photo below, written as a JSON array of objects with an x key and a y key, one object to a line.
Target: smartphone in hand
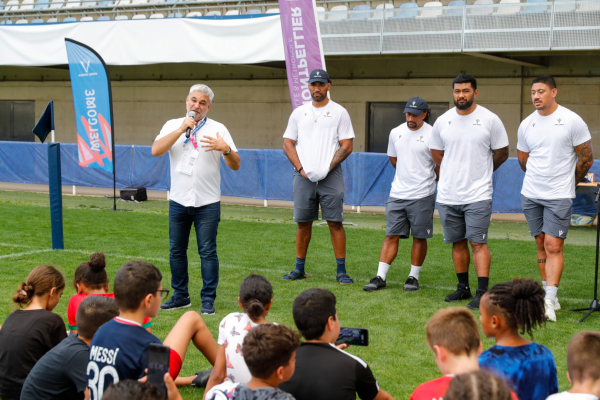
[
  {"x": 158, "y": 365},
  {"x": 353, "y": 336}
]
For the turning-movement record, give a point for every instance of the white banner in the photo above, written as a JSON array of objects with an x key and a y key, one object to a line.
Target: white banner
[{"x": 148, "y": 41}]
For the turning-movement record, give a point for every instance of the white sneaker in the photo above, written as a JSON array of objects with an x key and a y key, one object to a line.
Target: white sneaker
[
  {"x": 550, "y": 314},
  {"x": 556, "y": 305}
]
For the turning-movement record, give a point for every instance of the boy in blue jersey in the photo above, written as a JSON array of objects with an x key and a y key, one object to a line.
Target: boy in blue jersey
[{"x": 119, "y": 349}]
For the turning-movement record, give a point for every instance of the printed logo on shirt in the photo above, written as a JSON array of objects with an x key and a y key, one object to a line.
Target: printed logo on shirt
[
  {"x": 533, "y": 124},
  {"x": 327, "y": 115},
  {"x": 560, "y": 121},
  {"x": 449, "y": 122},
  {"x": 420, "y": 139},
  {"x": 477, "y": 122}
]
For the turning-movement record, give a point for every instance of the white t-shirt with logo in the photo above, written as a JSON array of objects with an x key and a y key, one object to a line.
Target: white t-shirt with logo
[
  {"x": 232, "y": 331},
  {"x": 467, "y": 166},
  {"x": 415, "y": 169},
  {"x": 203, "y": 186},
  {"x": 318, "y": 132},
  {"x": 550, "y": 142},
  {"x": 571, "y": 396}
]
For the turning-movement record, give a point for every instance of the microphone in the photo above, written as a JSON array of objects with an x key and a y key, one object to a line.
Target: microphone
[{"x": 191, "y": 114}]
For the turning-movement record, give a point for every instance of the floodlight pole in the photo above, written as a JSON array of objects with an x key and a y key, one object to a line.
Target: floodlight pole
[{"x": 595, "y": 305}]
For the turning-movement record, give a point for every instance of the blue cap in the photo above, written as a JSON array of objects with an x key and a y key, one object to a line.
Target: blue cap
[
  {"x": 415, "y": 106},
  {"x": 319, "y": 75}
]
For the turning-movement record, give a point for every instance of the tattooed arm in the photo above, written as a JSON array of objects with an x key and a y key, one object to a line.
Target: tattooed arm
[
  {"x": 523, "y": 157},
  {"x": 342, "y": 153},
  {"x": 499, "y": 156},
  {"x": 585, "y": 159}
]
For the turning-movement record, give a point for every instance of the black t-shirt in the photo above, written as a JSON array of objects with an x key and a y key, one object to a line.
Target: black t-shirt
[
  {"x": 60, "y": 373},
  {"x": 325, "y": 372},
  {"x": 25, "y": 337}
]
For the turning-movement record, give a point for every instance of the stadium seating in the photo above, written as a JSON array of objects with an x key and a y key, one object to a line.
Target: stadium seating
[
  {"x": 11, "y": 5},
  {"x": 138, "y": 2},
  {"x": 26, "y": 5},
  {"x": 69, "y": 19},
  {"x": 588, "y": 7},
  {"x": 253, "y": 12},
  {"x": 361, "y": 12},
  {"x": 535, "y": 9},
  {"x": 406, "y": 12},
  {"x": 139, "y": 16},
  {"x": 433, "y": 13},
  {"x": 72, "y": 4},
  {"x": 508, "y": 10},
  {"x": 121, "y": 18},
  {"x": 561, "y": 7},
  {"x": 378, "y": 13},
  {"x": 157, "y": 16},
  {"x": 1, "y": 5},
  {"x": 213, "y": 13},
  {"x": 106, "y": 3},
  {"x": 37, "y": 21},
  {"x": 320, "y": 13},
  {"x": 103, "y": 18},
  {"x": 233, "y": 12},
  {"x": 276, "y": 10},
  {"x": 51, "y": 20},
  {"x": 123, "y": 2},
  {"x": 338, "y": 13},
  {"x": 6, "y": 22},
  {"x": 455, "y": 12},
  {"x": 21, "y": 21},
  {"x": 194, "y": 14},
  {"x": 42, "y": 4},
  {"x": 88, "y": 3},
  {"x": 86, "y": 19},
  {"x": 175, "y": 15},
  {"x": 482, "y": 10}
]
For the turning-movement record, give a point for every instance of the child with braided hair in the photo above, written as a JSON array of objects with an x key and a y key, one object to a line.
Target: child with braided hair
[
  {"x": 256, "y": 298},
  {"x": 30, "y": 332},
  {"x": 508, "y": 310},
  {"x": 477, "y": 385}
]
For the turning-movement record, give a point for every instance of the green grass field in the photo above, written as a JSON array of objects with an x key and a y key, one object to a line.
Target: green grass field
[{"x": 259, "y": 240}]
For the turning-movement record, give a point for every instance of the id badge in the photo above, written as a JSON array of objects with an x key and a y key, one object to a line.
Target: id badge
[{"x": 187, "y": 161}]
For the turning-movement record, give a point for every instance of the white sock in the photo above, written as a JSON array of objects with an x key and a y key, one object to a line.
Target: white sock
[
  {"x": 383, "y": 270},
  {"x": 414, "y": 271},
  {"x": 551, "y": 292},
  {"x": 544, "y": 284}
]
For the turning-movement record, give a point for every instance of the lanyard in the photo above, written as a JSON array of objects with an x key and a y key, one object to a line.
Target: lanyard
[{"x": 193, "y": 133}]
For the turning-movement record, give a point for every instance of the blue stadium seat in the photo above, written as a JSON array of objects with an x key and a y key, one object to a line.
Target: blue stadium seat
[
  {"x": 37, "y": 21},
  {"x": 6, "y": 22},
  {"x": 106, "y": 3},
  {"x": 42, "y": 4},
  {"x": 1, "y": 5},
  {"x": 405, "y": 11},
  {"x": 175, "y": 15},
  {"x": 455, "y": 12},
  {"x": 252, "y": 12},
  {"x": 172, "y": 1},
  {"x": 360, "y": 12},
  {"x": 69, "y": 19},
  {"x": 103, "y": 18},
  {"x": 528, "y": 9}
]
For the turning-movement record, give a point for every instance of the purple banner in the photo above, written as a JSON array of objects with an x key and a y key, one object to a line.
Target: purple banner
[{"x": 303, "y": 50}]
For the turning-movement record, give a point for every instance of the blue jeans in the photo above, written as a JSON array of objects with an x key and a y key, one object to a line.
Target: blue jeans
[{"x": 206, "y": 221}]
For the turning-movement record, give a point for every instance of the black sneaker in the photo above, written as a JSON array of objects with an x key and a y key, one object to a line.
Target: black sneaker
[
  {"x": 177, "y": 302},
  {"x": 462, "y": 293},
  {"x": 375, "y": 284},
  {"x": 208, "y": 308},
  {"x": 411, "y": 284},
  {"x": 201, "y": 378},
  {"x": 474, "y": 304}
]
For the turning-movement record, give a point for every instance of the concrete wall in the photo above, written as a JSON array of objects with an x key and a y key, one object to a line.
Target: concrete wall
[{"x": 253, "y": 101}]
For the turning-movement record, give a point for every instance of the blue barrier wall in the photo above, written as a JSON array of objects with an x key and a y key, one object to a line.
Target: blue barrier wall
[{"x": 264, "y": 174}]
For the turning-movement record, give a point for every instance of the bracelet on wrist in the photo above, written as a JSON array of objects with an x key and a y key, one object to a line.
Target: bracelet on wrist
[
  {"x": 300, "y": 170},
  {"x": 228, "y": 152}
]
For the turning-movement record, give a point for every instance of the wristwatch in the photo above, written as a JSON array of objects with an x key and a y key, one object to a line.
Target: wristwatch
[{"x": 228, "y": 153}]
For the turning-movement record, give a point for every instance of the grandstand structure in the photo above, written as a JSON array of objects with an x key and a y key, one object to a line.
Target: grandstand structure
[{"x": 378, "y": 53}]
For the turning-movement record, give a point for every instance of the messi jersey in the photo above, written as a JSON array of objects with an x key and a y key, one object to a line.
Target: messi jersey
[
  {"x": 529, "y": 369},
  {"x": 119, "y": 350}
]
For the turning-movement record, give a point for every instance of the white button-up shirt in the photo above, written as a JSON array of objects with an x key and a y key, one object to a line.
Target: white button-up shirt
[{"x": 203, "y": 186}]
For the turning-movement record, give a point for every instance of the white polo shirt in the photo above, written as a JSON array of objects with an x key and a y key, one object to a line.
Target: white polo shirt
[
  {"x": 203, "y": 186},
  {"x": 415, "y": 169},
  {"x": 550, "y": 142},
  {"x": 467, "y": 166},
  {"x": 318, "y": 132}
]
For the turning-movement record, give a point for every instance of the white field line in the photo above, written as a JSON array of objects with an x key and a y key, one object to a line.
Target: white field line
[{"x": 226, "y": 266}]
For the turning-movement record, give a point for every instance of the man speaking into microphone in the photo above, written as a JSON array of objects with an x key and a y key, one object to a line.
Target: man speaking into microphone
[{"x": 195, "y": 144}]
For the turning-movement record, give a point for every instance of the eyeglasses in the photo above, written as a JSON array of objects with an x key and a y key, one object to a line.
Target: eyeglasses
[{"x": 164, "y": 293}]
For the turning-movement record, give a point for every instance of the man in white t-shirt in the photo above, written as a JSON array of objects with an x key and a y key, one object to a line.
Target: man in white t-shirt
[
  {"x": 555, "y": 151},
  {"x": 469, "y": 143},
  {"x": 195, "y": 147},
  {"x": 317, "y": 140},
  {"x": 410, "y": 206}
]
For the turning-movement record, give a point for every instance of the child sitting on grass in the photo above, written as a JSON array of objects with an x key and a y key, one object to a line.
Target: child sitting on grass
[
  {"x": 119, "y": 349},
  {"x": 91, "y": 279},
  {"x": 583, "y": 368},
  {"x": 508, "y": 310},
  {"x": 61, "y": 373},
  {"x": 29, "y": 333},
  {"x": 270, "y": 354},
  {"x": 478, "y": 385},
  {"x": 453, "y": 336},
  {"x": 256, "y": 298}
]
